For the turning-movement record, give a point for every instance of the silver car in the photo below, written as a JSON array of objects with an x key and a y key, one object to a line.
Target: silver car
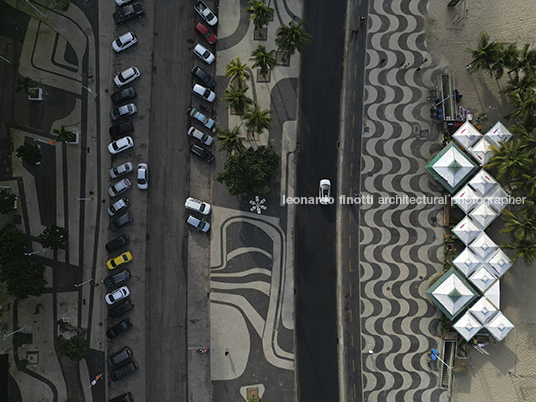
[
  {"x": 201, "y": 136},
  {"x": 121, "y": 170},
  {"x": 118, "y": 206},
  {"x": 119, "y": 188},
  {"x": 197, "y": 223}
]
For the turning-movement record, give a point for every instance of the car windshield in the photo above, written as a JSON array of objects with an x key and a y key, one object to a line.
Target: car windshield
[
  {"x": 206, "y": 55},
  {"x": 118, "y": 42},
  {"x": 207, "y": 93},
  {"x": 116, "y": 146},
  {"x": 201, "y": 207},
  {"x": 208, "y": 34},
  {"x": 201, "y": 225}
]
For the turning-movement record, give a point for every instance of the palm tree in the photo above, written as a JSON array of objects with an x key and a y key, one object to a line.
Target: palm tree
[
  {"x": 237, "y": 99},
  {"x": 237, "y": 73},
  {"x": 24, "y": 85},
  {"x": 257, "y": 120},
  {"x": 486, "y": 54},
  {"x": 524, "y": 85},
  {"x": 260, "y": 14},
  {"x": 263, "y": 59},
  {"x": 64, "y": 135},
  {"x": 523, "y": 248},
  {"x": 292, "y": 37},
  {"x": 519, "y": 226},
  {"x": 510, "y": 160},
  {"x": 509, "y": 58},
  {"x": 230, "y": 141},
  {"x": 526, "y": 61},
  {"x": 525, "y": 104},
  {"x": 527, "y": 137}
]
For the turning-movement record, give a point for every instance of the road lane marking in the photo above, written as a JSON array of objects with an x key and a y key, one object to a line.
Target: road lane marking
[
  {"x": 350, "y": 241},
  {"x": 354, "y": 95},
  {"x": 353, "y": 120}
]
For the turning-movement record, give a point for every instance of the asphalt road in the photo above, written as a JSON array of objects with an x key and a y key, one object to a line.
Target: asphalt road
[
  {"x": 166, "y": 241},
  {"x": 316, "y": 313}
]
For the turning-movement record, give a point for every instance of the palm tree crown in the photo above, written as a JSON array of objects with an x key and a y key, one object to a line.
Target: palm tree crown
[
  {"x": 64, "y": 135},
  {"x": 260, "y": 14},
  {"x": 230, "y": 141},
  {"x": 236, "y": 71},
  {"x": 257, "y": 119},
  {"x": 486, "y": 54},
  {"x": 292, "y": 37},
  {"x": 510, "y": 160},
  {"x": 237, "y": 99},
  {"x": 263, "y": 59}
]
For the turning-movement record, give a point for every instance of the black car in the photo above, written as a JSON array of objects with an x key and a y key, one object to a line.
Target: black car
[
  {"x": 118, "y": 278},
  {"x": 119, "y": 130},
  {"x": 123, "y": 95},
  {"x": 123, "y": 220},
  {"x": 120, "y": 357},
  {"x": 207, "y": 79},
  {"x": 117, "y": 243},
  {"x": 119, "y": 309},
  {"x": 119, "y": 328},
  {"x": 202, "y": 152},
  {"x": 126, "y": 12},
  {"x": 124, "y": 370},
  {"x": 123, "y": 398}
]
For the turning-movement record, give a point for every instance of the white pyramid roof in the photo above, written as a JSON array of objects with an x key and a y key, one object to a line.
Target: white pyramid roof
[
  {"x": 483, "y": 215},
  {"x": 483, "y": 182},
  {"x": 467, "y": 262},
  {"x": 467, "y": 326},
  {"x": 466, "y": 199},
  {"x": 481, "y": 151},
  {"x": 466, "y": 230},
  {"x": 498, "y": 198},
  {"x": 483, "y": 310},
  {"x": 483, "y": 246},
  {"x": 453, "y": 294},
  {"x": 499, "y": 326},
  {"x": 482, "y": 278},
  {"x": 493, "y": 294},
  {"x": 466, "y": 135},
  {"x": 453, "y": 166},
  {"x": 500, "y": 262},
  {"x": 498, "y": 133}
]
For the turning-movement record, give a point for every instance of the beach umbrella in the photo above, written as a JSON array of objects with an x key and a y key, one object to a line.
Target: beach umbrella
[
  {"x": 498, "y": 133},
  {"x": 483, "y": 246},
  {"x": 483, "y": 310},
  {"x": 467, "y": 326},
  {"x": 500, "y": 262},
  {"x": 466, "y": 230},
  {"x": 493, "y": 294},
  {"x": 481, "y": 151},
  {"x": 483, "y": 215},
  {"x": 467, "y": 135},
  {"x": 466, "y": 199},
  {"x": 482, "y": 278},
  {"x": 483, "y": 182},
  {"x": 499, "y": 326},
  {"x": 467, "y": 262}
]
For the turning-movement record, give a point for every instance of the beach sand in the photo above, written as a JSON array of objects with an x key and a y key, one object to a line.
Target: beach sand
[{"x": 509, "y": 372}]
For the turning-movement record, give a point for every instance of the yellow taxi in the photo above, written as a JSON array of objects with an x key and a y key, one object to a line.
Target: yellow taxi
[{"x": 122, "y": 259}]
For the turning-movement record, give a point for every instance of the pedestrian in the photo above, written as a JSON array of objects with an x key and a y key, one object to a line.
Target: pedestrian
[
  {"x": 226, "y": 352},
  {"x": 407, "y": 65},
  {"x": 356, "y": 194},
  {"x": 418, "y": 69},
  {"x": 401, "y": 64},
  {"x": 382, "y": 61},
  {"x": 97, "y": 284},
  {"x": 355, "y": 32}
]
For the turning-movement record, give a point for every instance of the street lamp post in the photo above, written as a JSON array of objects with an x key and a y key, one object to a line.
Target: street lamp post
[
  {"x": 35, "y": 8},
  {"x": 35, "y": 252},
  {"x": 14, "y": 332},
  {"x": 89, "y": 89},
  {"x": 94, "y": 382},
  {"x": 3, "y": 58},
  {"x": 83, "y": 283},
  {"x": 83, "y": 199}
]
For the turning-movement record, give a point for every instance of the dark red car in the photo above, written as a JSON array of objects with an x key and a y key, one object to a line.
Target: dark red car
[{"x": 207, "y": 33}]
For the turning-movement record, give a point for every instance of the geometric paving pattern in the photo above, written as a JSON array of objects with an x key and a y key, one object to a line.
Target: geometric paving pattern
[{"x": 401, "y": 244}]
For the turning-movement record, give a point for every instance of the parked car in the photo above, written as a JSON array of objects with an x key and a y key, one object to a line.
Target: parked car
[
  {"x": 129, "y": 11},
  {"x": 127, "y": 76},
  {"x": 197, "y": 206},
  {"x": 197, "y": 223},
  {"x": 123, "y": 111},
  {"x": 143, "y": 176},
  {"x": 203, "y": 53},
  {"x": 117, "y": 243},
  {"x": 206, "y": 121},
  {"x": 119, "y": 309},
  {"x": 202, "y": 152},
  {"x": 205, "y": 77},
  {"x": 207, "y": 33},
  {"x": 124, "y": 370},
  {"x": 121, "y": 170},
  {"x": 118, "y": 206},
  {"x": 116, "y": 279},
  {"x": 123, "y": 220},
  {"x": 120, "y": 3},
  {"x": 121, "y": 129},
  {"x": 324, "y": 191},
  {"x": 124, "y": 42},
  {"x": 117, "y": 295},
  {"x": 204, "y": 93},
  {"x": 119, "y": 188},
  {"x": 125, "y": 397},
  {"x": 120, "y": 357},
  {"x": 205, "y": 13},
  {"x": 123, "y": 95},
  {"x": 125, "y": 257},
  {"x": 199, "y": 135},
  {"x": 119, "y": 328},
  {"x": 120, "y": 145}
]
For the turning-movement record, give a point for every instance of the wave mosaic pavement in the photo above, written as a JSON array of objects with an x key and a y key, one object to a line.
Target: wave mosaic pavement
[{"x": 401, "y": 245}]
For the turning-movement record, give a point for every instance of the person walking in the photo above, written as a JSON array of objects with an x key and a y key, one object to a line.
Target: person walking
[
  {"x": 382, "y": 62},
  {"x": 226, "y": 352}
]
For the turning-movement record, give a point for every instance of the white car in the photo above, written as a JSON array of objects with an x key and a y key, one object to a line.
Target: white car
[
  {"x": 121, "y": 170},
  {"x": 197, "y": 206},
  {"x": 119, "y": 188},
  {"x": 118, "y": 206},
  {"x": 123, "y": 111},
  {"x": 122, "y": 144},
  {"x": 127, "y": 76},
  {"x": 202, "y": 52},
  {"x": 197, "y": 223},
  {"x": 124, "y": 42},
  {"x": 117, "y": 295},
  {"x": 324, "y": 192},
  {"x": 204, "y": 93},
  {"x": 143, "y": 176},
  {"x": 199, "y": 135},
  {"x": 122, "y": 2}
]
